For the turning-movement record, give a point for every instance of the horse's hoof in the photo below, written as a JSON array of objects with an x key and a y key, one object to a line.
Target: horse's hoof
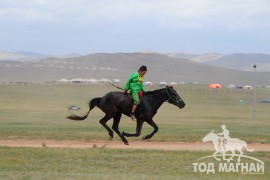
[
  {"x": 126, "y": 143},
  {"x": 111, "y": 138},
  {"x": 144, "y": 138}
]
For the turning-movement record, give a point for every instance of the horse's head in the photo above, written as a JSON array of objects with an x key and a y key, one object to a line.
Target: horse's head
[
  {"x": 209, "y": 137},
  {"x": 174, "y": 98}
]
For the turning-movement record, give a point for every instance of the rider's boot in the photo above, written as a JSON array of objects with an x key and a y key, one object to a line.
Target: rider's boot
[{"x": 132, "y": 116}]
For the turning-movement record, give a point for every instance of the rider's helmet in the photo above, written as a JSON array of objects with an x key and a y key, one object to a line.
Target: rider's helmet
[{"x": 223, "y": 126}]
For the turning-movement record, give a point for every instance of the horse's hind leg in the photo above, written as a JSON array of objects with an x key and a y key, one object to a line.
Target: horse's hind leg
[
  {"x": 103, "y": 122},
  {"x": 115, "y": 127},
  {"x": 153, "y": 124}
]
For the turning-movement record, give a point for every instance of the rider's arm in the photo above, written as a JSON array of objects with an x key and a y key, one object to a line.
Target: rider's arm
[
  {"x": 142, "y": 87},
  {"x": 130, "y": 79}
]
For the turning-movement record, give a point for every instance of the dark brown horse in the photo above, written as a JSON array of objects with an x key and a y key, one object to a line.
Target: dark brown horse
[{"x": 114, "y": 104}]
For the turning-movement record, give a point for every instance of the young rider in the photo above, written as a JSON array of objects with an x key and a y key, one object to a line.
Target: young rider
[{"x": 136, "y": 86}]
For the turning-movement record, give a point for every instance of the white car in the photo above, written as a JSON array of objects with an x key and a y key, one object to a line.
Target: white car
[
  {"x": 73, "y": 107},
  {"x": 265, "y": 101}
]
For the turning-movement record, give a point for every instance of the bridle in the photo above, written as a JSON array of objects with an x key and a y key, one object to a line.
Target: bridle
[{"x": 175, "y": 100}]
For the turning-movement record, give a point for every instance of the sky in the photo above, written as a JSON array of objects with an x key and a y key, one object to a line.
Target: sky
[{"x": 94, "y": 26}]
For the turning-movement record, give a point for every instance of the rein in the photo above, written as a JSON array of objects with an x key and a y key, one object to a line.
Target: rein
[{"x": 115, "y": 86}]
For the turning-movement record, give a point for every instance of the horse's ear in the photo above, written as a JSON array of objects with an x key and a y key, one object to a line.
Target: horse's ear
[{"x": 171, "y": 87}]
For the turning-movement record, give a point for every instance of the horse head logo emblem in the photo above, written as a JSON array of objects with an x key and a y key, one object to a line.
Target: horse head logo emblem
[{"x": 224, "y": 144}]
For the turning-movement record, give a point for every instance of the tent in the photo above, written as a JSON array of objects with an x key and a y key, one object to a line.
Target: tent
[
  {"x": 116, "y": 80},
  {"x": 148, "y": 83},
  {"x": 215, "y": 86},
  {"x": 232, "y": 86},
  {"x": 247, "y": 87},
  {"x": 173, "y": 84},
  {"x": 63, "y": 80},
  {"x": 162, "y": 84}
]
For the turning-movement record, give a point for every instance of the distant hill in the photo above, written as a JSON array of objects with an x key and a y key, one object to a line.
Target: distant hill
[
  {"x": 233, "y": 61},
  {"x": 206, "y": 58},
  {"x": 243, "y": 61},
  {"x": 69, "y": 55},
  {"x": 20, "y": 56},
  {"x": 120, "y": 66},
  {"x": 196, "y": 57},
  {"x": 185, "y": 55},
  {"x": 180, "y": 54}
]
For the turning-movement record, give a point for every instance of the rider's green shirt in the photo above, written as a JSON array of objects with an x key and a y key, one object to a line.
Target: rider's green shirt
[{"x": 135, "y": 83}]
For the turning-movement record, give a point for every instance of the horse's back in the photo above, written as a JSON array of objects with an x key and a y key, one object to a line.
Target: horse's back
[
  {"x": 115, "y": 97},
  {"x": 110, "y": 98},
  {"x": 115, "y": 101}
]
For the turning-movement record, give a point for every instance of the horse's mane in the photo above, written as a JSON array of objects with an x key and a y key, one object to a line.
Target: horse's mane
[{"x": 153, "y": 92}]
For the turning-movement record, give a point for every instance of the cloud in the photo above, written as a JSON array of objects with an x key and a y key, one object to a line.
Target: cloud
[
  {"x": 110, "y": 25},
  {"x": 25, "y": 15},
  {"x": 233, "y": 14},
  {"x": 239, "y": 14}
]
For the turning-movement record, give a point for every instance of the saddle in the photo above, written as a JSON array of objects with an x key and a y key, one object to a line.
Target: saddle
[{"x": 140, "y": 95}]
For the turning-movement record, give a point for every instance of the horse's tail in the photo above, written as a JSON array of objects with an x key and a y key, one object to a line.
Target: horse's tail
[
  {"x": 249, "y": 150},
  {"x": 93, "y": 103}
]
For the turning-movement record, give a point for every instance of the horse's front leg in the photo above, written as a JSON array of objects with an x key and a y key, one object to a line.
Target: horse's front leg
[
  {"x": 138, "y": 130},
  {"x": 153, "y": 124}
]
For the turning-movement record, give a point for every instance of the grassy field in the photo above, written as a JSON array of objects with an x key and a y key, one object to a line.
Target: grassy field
[
  {"x": 51, "y": 163},
  {"x": 37, "y": 112}
]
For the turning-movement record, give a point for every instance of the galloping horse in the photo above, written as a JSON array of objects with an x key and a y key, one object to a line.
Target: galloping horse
[{"x": 114, "y": 104}]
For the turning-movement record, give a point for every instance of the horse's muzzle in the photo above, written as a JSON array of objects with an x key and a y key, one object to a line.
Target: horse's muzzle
[{"x": 181, "y": 106}]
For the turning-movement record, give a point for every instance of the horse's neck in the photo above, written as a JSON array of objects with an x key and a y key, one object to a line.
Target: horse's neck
[
  {"x": 162, "y": 94},
  {"x": 160, "y": 99},
  {"x": 155, "y": 100},
  {"x": 158, "y": 103}
]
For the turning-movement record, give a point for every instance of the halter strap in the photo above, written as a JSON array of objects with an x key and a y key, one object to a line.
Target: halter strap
[
  {"x": 177, "y": 101},
  {"x": 170, "y": 97}
]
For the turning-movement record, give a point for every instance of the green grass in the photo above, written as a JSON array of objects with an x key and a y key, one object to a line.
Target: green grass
[
  {"x": 57, "y": 163},
  {"x": 39, "y": 111}
]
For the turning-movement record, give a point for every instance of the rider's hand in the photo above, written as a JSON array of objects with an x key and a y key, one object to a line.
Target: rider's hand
[{"x": 125, "y": 92}]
